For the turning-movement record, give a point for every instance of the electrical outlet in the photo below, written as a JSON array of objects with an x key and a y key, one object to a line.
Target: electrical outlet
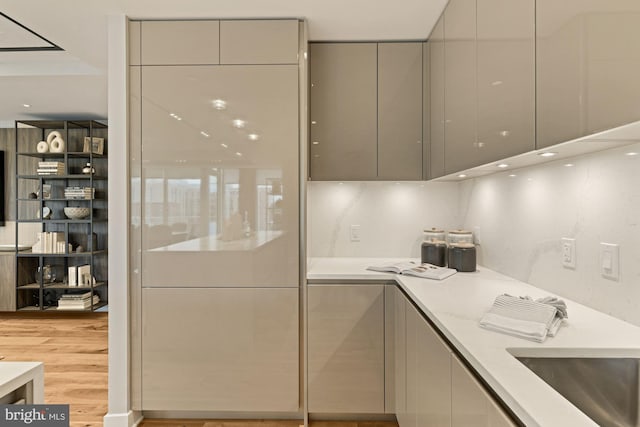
[
  {"x": 568, "y": 252},
  {"x": 610, "y": 261},
  {"x": 354, "y": 233}
]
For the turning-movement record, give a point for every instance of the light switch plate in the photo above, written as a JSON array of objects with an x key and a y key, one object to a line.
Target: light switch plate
[
  {"x": 568, "y": 252},
  {"x": 610, "y": 261}
]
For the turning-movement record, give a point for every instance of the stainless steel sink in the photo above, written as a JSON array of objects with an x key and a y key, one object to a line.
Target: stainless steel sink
[{"x": 604, "y": 388}]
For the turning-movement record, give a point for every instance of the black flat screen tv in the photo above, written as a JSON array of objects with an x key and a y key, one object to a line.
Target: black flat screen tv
[{"x": 2, "y": 182}]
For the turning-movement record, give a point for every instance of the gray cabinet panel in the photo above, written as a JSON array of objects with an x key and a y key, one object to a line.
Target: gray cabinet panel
[
  {"x": 259, "y": 42},
  {"x": 426, "y": 111},
  {"x": 400, "y": 111},
  {"x": 461, "y": 147},
  {"x": 346, "y": 348},
  {"x": 587, "y": 63},
  {"x": 343, "y": 112},
  {"x": 506, "y": 79},
  {"x": 390, "y": 349},
  {"x": 220, "y": 349},
  {"x": 134, "y": 42},
  {"x": 400, "y": 338},
  {"x": 180, "y": 42},
  {"x": 436, "y": 99}
]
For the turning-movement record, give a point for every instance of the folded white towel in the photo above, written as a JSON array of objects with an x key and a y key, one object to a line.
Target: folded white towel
[{"x": 524, "y": 317}]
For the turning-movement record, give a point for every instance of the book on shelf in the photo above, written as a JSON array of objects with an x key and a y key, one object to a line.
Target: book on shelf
[
  {"x": 410, "y": 268},
  {"x": 84, "y": 295},
  {"x": 79, "y": 304}
]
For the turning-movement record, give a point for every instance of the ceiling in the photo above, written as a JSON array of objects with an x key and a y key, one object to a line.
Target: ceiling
[{"x": 73, "y": 82}]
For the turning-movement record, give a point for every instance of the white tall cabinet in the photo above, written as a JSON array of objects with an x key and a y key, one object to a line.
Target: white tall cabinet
[{"x": 215, "y": 215}]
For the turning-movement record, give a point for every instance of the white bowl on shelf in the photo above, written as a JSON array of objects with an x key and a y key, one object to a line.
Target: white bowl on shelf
[{"x": 76, "y": 212}]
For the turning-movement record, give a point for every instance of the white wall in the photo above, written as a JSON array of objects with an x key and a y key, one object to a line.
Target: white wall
[
  {"x": 523, "y": 218},
  {"x": 391, "y": 216}
]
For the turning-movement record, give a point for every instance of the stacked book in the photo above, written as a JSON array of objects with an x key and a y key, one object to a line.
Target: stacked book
[
  {"x": 50, "y": 243},
  {"x": 50, "y": 168},
  {"x": 85, "y": 193},
  {"x": 77, "y": 301}
]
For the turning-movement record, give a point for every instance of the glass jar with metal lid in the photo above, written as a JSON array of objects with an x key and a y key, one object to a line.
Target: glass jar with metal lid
[
  {"x": 434, "y": 248},
  {"x": 462, "y": 257}
]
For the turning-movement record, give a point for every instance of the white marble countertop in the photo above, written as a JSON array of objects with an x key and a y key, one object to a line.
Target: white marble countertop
[
  {"x": 456, "y": 304},
  {"x": 14, "y": 375}
]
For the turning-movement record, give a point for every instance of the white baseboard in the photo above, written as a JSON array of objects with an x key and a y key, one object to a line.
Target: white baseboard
[{"x": 129, "y": 419}]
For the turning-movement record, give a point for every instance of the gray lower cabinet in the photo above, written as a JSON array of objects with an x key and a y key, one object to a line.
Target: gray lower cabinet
[
  {"x": 400, "y": 352},
  {"x": 587, "y": 66},
  {"x": 471, "y": 405},
  {"x": 220, "y": 349},
  {"x": 343, "y": 111},
  {"x": 399, "y": 111},
  {"x": 346, "y": 348}
]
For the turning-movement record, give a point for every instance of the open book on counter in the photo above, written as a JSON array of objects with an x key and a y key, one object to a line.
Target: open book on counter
[{"x": 410, "y": 268}]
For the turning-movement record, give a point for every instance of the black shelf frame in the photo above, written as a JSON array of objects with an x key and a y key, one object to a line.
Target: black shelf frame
[{"x": 64, "y": 225}]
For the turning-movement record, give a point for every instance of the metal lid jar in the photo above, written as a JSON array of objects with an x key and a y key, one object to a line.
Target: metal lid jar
[
  {"x": 434, "y": 235},
  {"x": 459, "y": 236}
]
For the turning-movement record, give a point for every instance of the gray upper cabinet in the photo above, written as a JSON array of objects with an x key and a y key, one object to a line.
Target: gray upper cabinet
[
  {"x": 506, "y": 79},
  {"x": 180, "y": 42},
  {"x": 587, "y": 65},
  {"x": 259, "y": 42},
  {"x": 460, "y": 107},
  {"x": 343, "y": 98},
  {"x": 426, "y": 112},
  {"x": 134, "y": 42},
  {"x": 400, "y": 111},
  {"x": 436, "y": 99}
]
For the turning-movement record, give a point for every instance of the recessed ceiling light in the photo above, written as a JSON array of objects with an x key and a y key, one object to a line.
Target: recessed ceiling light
[
  {"x": 203, "y": 133},
  {"x": 547, "y": 154},
  {"x": 504, "y": 133},
  {"x": 513, "y": 175},
  {"x": 26, "y": 105},
  {"x": 223, "y": 145},
  {"x": 219, "y": 104},
  {"x": 502, "y": 165},
  {"x": 631, "y": 153},
  {"x": 253, "y": 136},
  {"x": 239, "y": 154},
  {"x": 496, "y": 83},
  {"x": 462, "y": 175},
  {"x": 315, "y": 142},
  {"x": 313, "y": 122},
  {"x": 237, "y": 123},
  {"x": 568, "y": 165}
]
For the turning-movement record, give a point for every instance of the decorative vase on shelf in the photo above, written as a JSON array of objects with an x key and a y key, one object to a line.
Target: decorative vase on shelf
[{"x": 88, "y": 170}]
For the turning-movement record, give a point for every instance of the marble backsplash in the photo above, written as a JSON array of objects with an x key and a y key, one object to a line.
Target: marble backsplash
[
  {"x": 391, "y": 216},
  {"x": 523, "y": 218}
]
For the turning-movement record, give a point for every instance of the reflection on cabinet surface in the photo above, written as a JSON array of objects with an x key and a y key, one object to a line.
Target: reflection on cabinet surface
[
  {"x": 461, "y": 103},
  {"x": 471, "y": 405},
  {"x": 224, "y": 350},
  {"x": 506, "y": 79},
  {"x": 346, "y": 348},
  {"x": 399, "y": 111},
  {"x": 343, "y": 111},
  {"x": 219, "y": 176},
  {"x": 587, "y": 67}
]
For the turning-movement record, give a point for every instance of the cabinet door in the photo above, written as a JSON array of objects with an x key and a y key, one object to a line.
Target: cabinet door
[
  {"x": 220, "y": 349},
  {"x": 346, "y": 348},
  {"x": 506, "y": 79},
  {"x": 220, "y": 197},
  {"x": 400, "y": 111},
  {"x": 433, "y": 377},
  {"x": 343, "y": 111},
  {"x": 426, "y": 111},
  {"x": 461, "y": 145},
  {"x": 587, "y": 67},
  {"x": 471, "y": 404},
  {"x": 412, "y": 319},
  {"x": 390, "y": 349},
  {"x": 401, "y": 357},
  {"x": 436, "y": 99},
  {"x": 180, "y": 42},
  {"x": 259, "y": 42}
]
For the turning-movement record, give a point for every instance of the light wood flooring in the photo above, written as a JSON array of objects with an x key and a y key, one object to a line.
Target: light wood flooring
[{"x": 73, "y": 348}]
